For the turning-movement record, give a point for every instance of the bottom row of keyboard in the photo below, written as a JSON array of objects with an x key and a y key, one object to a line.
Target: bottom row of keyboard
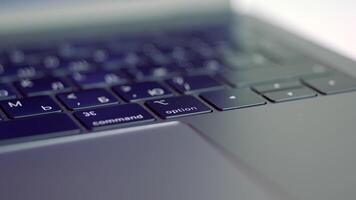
[{"x": 55, "y": 122}]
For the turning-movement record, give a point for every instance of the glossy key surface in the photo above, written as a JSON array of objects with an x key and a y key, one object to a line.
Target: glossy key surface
[
  {"x": 177, "y": 106},
  {"x": 277, "y": 85},
  {"x": 261, "y": 75},
  {"x": 87, "y": 98},
  {"x": 141, "y": 90},
  {"x": 16, "y": 108},
  {"x": 192, "y": 83},
  {"x": 232, "y": 99},
  {"x": 290, "y": 94},
  {"x": 113, "y": 116},
  {"x": 6, "y": 92},
  {"x": 51, "y": 125},
  {"x": 98, "y": 79},
  {"x": 332, "y": 84},
  {"x": 41, "y": 86}
]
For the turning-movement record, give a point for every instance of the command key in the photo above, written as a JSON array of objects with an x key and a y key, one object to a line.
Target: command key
[{"x": 113, "y": 116}]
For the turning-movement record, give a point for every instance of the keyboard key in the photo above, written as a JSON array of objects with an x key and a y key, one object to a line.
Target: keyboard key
[
  {"x": 152, "y": 73},
  {"x": 177, "y": 106},
  {"x": 6, "y": 92},
  {"x": 142, "y": 90},
  {"x": 87, "y": 98},
  {"x": 248, "y": 60},
  {"x": 114, "y": 115},
  {"x": 41, "y": 86},
  {"x": 332, "y": 84},
  {"x": 98, "y": 79},
  {"x": 291, "y": 94},
  {"x": 192, "y": 83},
  {"x": 205, "y": 66},
  {"x": 12, "y": 72},
  {"x": 260, "y": 75},
  {"x": 16, "y": 108},
  {"x": 232, "y": 99},
  {"x": 274, "y": 86},
  {"x": 51, "y": 125}
]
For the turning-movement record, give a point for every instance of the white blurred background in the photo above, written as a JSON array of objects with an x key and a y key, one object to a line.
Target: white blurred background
[{"x": 331, "y": 23}]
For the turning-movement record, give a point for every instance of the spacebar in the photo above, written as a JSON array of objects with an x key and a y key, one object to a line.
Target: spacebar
[{"x": 46, "y": 125}]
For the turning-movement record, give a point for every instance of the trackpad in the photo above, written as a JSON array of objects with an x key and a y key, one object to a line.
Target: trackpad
[{"x": 167, "y": 161}]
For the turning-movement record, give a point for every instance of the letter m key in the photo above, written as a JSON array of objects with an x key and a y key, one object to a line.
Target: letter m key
[{"x": 17, "y": 104}]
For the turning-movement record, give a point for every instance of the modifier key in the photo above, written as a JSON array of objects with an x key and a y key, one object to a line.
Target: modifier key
[
  {"x": 113, "y": 116},
  {"x": 50, "y": 125}
]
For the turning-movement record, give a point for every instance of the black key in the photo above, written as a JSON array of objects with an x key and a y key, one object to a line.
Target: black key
[
  {"x": 51, "y": 125},
  {"x": 193, "y": 83},
  {"x": 291, "y": 94},
  {"x": 177, "y": 106},
  {"x": 274, "y": 86},
  {"x": 332, "y": 84},
  {"x": 16, "y": 108},
  {"x": 87, "y": 98},
  {"x": 142, "y": 90},
  {"x": 41, "y": 86},
  {"x": 114, "y": 115},
  {"x": 98, "y": 79},
  {"x": 260, "y": 75},
  {"x": 232, "y": 99},
  {"x": 6, "y": 92}
]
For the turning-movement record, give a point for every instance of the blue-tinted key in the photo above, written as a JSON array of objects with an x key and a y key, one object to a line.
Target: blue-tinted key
[
  {"x": 61, "y": 66},
  {"x": 193, "y": 83},
  {"x": 87, "y": 98},
  {"x": 10, "y": 72},
  {"x": 51, "y": 125},
  {"x": 6, "y": 92},
  {"x": 113, "y": 116},
  {"x": 41, "y": 86},
  {"x": 143, "y": 90},
  {"x": 177, "y": 106},
  {"x": 17, "y": 108},
  {"x": 151, "y": 73},
  {"x": 98, "y": 79}
]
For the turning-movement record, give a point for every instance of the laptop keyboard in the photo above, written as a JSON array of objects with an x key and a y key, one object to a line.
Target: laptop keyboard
[{"x": 79, "y": 87}]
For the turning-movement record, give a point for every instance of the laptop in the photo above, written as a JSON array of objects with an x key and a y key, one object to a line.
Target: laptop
[{"x": 179, "y": 99}]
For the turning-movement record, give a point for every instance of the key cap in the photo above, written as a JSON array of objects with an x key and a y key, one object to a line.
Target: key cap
[
  {"x": 41, "y": 86},
  {"x": 142, "y": 90},
  {"x": 204, "y": 66},
  {"x": 177, "y": 106},
  {"x": 113, "y": 116},
  {"x": 11, "y": 72},
  {"x": 192, "y": 83},
  {"x": 152, "y": 73},
  {"x": 291, "y": 94},
  {"x": 232, "y": 99},
  {"x": 98, "y": 79},
  {"x": 248, "y": 60},
  {"x": 332, "y": 84},
  {"x": 260, "y": 75},
  {"x": 274, "y": 86},
  {"x": 87, "y": 98},
  {"x": 17, "y": 108},
  {"x": 51, "y": 125},
  {"x": 61, "y": 66},
  {"x": 6, "y": 92}
]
